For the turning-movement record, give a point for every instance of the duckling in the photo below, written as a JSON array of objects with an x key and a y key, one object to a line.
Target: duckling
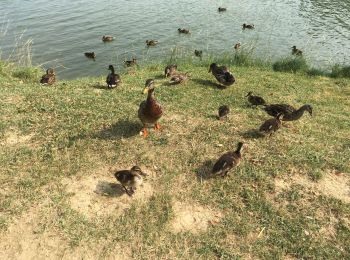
[
  {"x": 150, "y": 111},
  {"x": 183, "y": 30},
  {"x": 271, "y": 125},
  {"x": 223, "y": 112},
  {"x": 90, "y": 55},
  {"x": 222, "y": 74},
  {"x": 227, "y": 161},
  {"x": 198, "y": 53},
  {"x": 248, "y": 26},
  {"x": 170, "y": 70},
  {"x": 107, "y": 38},
  {"x": 132, "y": 178},
  {"x": 129, "y": 63},
  {"x": 237, "y": 45},
  {"x": 255, "y": 100},
  {"x": 296, "y": 51},
  {"x": 151, "y": 42},
  {"x": 179, "y": 78},
  {"x": 49, "y": 78},
  {"x": 112, "y": 79},
  {"x": 221, "y": 9},
  {"x": 289, "y": 112}
]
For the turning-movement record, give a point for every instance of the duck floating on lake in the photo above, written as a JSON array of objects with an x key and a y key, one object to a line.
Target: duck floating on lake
[
  {"x": 248, "y": 26},
  {"x": 107, "y": 38},
  {"x": 90, "y": 55},
  {"x": 129, "y": 63},
  {"x": 296, "y": 51},
  {"x": 151, "y": 42},
  {"x": 183, "y": 30}
]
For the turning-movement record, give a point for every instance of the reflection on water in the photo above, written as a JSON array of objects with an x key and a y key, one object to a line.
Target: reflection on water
[{"x": 63, "y": 30}]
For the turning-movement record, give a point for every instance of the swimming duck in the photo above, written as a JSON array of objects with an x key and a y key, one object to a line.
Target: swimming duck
[
  {"x": 151, "y": 42},
  {"x": 223, "y": 112},
  {"x": 289, "y": 112},
  {"x": 248, "y": 26},
  {"x": 296, "y": 51},
  {"x": 271, "y": 125},
  {"x": 90, "y": 55},
  {"x": 170, "y": 70},
  {"x": 221, "y": 9},
  {"x": 183, "y": 30},
  {"x": 227, "y": 161},
  {"x": 112, "y": 79},
  {"x": 129, "y": 63},
  {"x": 49, "y": 78},
  {"x": 130, "y": 178},
  {"x": 237, "y": 45},
  {"x": 107, "y": 38},
  {"x": 198, "y": 53},
  {"x": 255, "y": 100},
  {"x": 150, "y": 111},
  {"x": 222, "y": 74},
  {"x": 179, "y": 78}
]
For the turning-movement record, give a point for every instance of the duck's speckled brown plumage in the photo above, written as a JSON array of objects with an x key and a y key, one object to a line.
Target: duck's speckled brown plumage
[
  {"x": 223, "y": 111},
  {"x": 227, "y": 161},
  {"x": 179, "y": 78},
  {"x": 271, "y": 125},
  {"x": 255, "y": 100},
  {"x": 222, "y": 74},
  {"x": 130, "y": 179},
  {"x": 288, "y": 111},
  {"x": 170, "y": 70},
  {"x": 49, "y": 78}
]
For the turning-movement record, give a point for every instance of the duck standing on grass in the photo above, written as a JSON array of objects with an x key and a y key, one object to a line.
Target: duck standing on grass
[
  {"x": 49, "y": 78},
  {"x": 255, "y": 100},
  {"x": 223, "y": 112},
  {"x": 150, "y": 111},
  {"x": 179, "y": 78},
  {"x": 271, "y": 125},
  {"x": 132, "y": 179},
  {"x": 222, "y": 74},
  {"x": 170, "y": 70},
  {"x": 112, "y": 79},
  {"x": 289, "y": 112},
  {"x": 227, "y": 161}
]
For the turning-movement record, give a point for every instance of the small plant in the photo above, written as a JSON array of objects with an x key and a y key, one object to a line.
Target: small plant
[
  {"x": 316, "y": 72},
  {"x": 26, "y": 73},
  {"x": 290, "y": 64},
  {"x": 339, "y": 71}
]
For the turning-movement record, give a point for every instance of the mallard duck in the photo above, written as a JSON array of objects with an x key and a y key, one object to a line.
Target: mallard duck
[
  {"x": 255, "y": 100},
  {"x": 90, "y": 55},
  {"x": 227, "y": 161},
  {"x": 112, "y": 79},
  {"x": 223, "y": 112},
  {"x": 179, "y": 78},
  {"x": 130, "y": 179},
  {"x": 198, "y": 53},
  {"x": 183, "y": 30},
  {"x": 221, "y": 9},
  {"x": 271, "y": 125},
  {"x": 170, "y": 70},
  {"x": 296, "y": 51},
  {"x": 107, "y": 38},
  {"x": 222, "y": 74},
  {"x": 49, "y": 78},
  {"x": 151, "y": 42},
  {"x": 237, "y": 45},
  {"x": 129, "y": 63},
  {"x": 289, "y": 112},
  {"x": 150, "y": 110},
  {"x": 248, "y": 26}
]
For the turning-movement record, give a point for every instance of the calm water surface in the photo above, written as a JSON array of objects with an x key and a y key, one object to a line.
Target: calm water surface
[{"x": 63, "y": 30}]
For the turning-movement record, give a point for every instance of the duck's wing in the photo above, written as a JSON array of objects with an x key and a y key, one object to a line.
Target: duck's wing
[{"x": 224, "y": 163}]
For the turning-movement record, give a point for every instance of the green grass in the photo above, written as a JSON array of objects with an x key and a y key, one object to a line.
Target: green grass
[{"x": 68, "y": 132}]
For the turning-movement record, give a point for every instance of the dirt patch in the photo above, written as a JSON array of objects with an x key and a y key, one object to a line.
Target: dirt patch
[
  {"x": 14, "y": 99},
  {"x": 12, "y": 137},
  {"x": 99, "y": 194},
  {"x": 193, "y": 218}
]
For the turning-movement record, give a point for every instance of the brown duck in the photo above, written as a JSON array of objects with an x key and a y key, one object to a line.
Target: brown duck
[
  {"x": 107, "y": 38},
  {"x": 222, "y": 9},
  {"x": 129, "y": 63},
  {"x": 183, "y": 30},
  {"x": 151, "y": 42},
  {"x": 198, "y": 53},
  {"x": 255, "y": 100},
  {"x": 237, "y": 45},
  {"x": 248, "y": 26},
  {"x": 179, "y": 78},
  {"x": 223, "y": 112},
  {"x": 112, "y": 79},
  {"x": 289, "y": 112},
  {"x": 130, "y": 179},
  {"x": 90, "y": 55},
  {"x": 49, "y": 78},
  {"x": 296, "y": 51},
  {"x": 170, "y": 70},
  {"x": 271, "y": 125},
  {"x": 222, "y": 74},
  {"x": 227, "y": 161},
  {"x": 150, "y": 111}
]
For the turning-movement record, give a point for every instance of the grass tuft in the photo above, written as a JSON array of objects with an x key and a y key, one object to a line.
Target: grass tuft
[{"x": 290, "y": 64}]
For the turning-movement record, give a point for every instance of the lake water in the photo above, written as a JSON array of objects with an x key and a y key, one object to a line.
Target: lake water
[{"x": 63, "y": 30}]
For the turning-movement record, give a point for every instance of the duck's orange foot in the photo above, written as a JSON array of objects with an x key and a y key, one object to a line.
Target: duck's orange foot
[
  {"x": 157, "y": 126},
  {"x": 144, "y": 132}
]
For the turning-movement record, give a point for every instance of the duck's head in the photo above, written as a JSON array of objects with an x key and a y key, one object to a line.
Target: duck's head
[
  {"x": 249, "y": 94},
  {"x": 50, "y": 71},
  {"x": 136, "y": 169},
  {"x": 244, "y": 25},
  {"x": 149, "y": 86},
  {"x": 294, "y": 47},
  {"x": 111, "y": 68},
  {"x": 179, "y": 29},
  {"x": 308, "y": 108},
  {"x": 212, "y": 66}
]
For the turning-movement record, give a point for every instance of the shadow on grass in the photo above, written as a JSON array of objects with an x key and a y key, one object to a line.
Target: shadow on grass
[
  {"x": 203, "y": 172},
  {"x": 109, "y": 189},
  {"x": 123, "y": 128},
  {"x": 252, "y": 133},
  {"x": 208, "y": 83}
]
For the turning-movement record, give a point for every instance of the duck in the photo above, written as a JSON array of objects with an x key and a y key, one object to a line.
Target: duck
[
  {"x": 255, "y": 100},
  {"x": 198, "y": 53},
  {"x": 132, "y": 179},
  {"x": 179, "y": 78},
  {"x": 129, "y": 63},
  {"x": 107, "y": 38},
  {"x": 289, "y": 112},
  {"x": 222, "y": 74},
  {"x": 170, "y": 70},
  {"x": 296, "y": 51},
  {"x": 151, "y": 42},
  {"x": 237, "y": 45},
  {"x": 183, "y": 30},
  {"x": 112, "y": 79},
  {"x": 221, "y": 9},
  {"x": 223, "y": 112},
  {"x": 49, "y": 78},
  {"x": 271, "y": 125},
  {"x": 227, "y": 161},
  {"x": 248, "y": 26},
  {"x": 150, "y": 111},
  {"x": 90, "y": 55}
]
